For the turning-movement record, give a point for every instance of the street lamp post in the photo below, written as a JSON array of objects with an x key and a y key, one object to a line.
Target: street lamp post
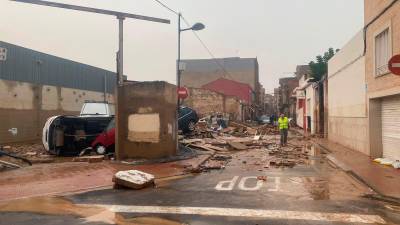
[{"x": 195, "y": 27}]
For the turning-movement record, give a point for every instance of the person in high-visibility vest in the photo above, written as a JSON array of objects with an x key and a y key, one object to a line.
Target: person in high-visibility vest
[{"x": 283, "y": 124}]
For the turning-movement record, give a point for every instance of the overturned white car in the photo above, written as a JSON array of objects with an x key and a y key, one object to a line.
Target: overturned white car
[{"x": 68, "y": 135}]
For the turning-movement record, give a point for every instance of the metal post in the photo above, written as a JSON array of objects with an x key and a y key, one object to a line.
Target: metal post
[
  {"x": 178, "y": 71},
  {"x": 105, "y": 88},
  {"x": 121, "y": 52}
]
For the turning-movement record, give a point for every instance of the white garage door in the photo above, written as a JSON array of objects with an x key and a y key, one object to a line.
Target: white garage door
[{"x": 391, "y": 127}]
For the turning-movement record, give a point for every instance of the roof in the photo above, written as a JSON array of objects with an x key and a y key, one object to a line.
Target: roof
[
  {"x": 230, "y": 64},
  {"x": 230, "y": 88}
]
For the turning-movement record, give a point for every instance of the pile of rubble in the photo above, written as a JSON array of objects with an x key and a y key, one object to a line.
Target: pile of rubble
[
  {"x": 20, "y": 155},
  {"x": 222, "y": 143}
]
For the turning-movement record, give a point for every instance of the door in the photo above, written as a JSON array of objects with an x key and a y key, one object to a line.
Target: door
[{"x": 391, "y": 127}]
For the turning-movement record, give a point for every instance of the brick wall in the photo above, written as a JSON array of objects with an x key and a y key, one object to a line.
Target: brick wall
[{"x": 207, "y": 102}]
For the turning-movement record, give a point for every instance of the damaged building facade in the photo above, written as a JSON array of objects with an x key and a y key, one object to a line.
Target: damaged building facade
[
  {"x": 208, "y": 102},
  {"x": 35, "y": 86},
  {"x": 232, "y": 77},
  {"x": 146, "y": 127}
]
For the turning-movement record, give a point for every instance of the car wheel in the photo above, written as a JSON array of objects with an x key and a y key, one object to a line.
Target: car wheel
[
  {"x": 191, "y": 125},
  {"x": 101, "y": 150}
]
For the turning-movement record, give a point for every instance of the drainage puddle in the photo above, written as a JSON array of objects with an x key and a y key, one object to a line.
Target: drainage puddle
[{"x": 61, "y": 206}]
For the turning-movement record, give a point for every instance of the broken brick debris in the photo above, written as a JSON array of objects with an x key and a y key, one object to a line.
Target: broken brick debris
[
  {"x": 222, "y": 157},
  {"x": 263, "y": 178},
  {"x": 89, "y": 159},
  {"x": 239, "y": 136},
  {"x": 237, "y": 145}
]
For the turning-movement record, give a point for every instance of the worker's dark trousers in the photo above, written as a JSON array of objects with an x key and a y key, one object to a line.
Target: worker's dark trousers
[{"x": 284, "y": 133}]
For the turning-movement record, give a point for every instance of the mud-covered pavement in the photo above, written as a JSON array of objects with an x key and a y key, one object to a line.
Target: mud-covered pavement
[{"x": 247, "y": 190}]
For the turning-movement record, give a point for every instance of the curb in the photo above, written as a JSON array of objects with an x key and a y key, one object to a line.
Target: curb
[{"x": 331, "y": 158}]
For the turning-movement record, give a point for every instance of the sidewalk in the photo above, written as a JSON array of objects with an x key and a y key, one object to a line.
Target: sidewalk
[
  {"x": 382, "y": 179},
  {"x": 70, "y": 177}
]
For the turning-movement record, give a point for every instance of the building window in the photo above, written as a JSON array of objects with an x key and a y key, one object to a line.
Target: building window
[{"x": 382, "y": 52}]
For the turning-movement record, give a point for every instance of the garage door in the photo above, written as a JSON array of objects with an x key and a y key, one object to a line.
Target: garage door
[{"x": 391, "y": 127}]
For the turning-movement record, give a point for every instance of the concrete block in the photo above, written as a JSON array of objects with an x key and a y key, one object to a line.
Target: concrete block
[{"x": 134, "y": 179}]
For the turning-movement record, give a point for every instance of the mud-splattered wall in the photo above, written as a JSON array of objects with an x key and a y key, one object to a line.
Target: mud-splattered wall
[
  {"x": 146, "y": 120},
  {"x": 26, "y": 107}
]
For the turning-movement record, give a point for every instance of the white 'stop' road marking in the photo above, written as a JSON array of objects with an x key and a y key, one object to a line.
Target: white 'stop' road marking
[{"x": 234, "y": 212}]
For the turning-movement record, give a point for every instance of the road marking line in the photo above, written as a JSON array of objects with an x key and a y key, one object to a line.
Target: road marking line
[{"x": 235, "y": 212}]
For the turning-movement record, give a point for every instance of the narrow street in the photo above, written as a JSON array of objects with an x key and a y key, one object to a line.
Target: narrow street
[
  {"x": 177, "y": 112},
  {"x": 245, "y": 191}
]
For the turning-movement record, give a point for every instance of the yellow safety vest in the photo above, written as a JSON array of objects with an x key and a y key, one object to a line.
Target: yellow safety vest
[{"x": 283, "y": 123}]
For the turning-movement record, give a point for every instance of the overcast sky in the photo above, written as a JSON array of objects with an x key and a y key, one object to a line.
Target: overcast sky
[{"x": 280, "y": 33}]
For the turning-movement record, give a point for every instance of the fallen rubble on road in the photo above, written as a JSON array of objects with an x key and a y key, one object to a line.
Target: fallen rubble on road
[{"x": 222, "y": 143}]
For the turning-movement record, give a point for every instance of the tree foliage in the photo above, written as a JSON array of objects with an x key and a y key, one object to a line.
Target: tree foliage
[{"x": 319, "y": 67}]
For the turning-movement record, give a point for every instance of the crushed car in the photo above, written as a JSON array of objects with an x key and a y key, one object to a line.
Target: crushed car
[
  {"x": 69, "y": 135},
  {"x": 187, "y": 119},
  {"x": 105, "y": 142}
]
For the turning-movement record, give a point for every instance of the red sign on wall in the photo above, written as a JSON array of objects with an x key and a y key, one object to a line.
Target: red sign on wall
[
  {"x": 183, "y": 92},
  {"x": 394, "y": 65}
]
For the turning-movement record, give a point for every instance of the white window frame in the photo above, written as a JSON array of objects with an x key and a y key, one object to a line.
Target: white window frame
[{"x": 387, "y": 26}]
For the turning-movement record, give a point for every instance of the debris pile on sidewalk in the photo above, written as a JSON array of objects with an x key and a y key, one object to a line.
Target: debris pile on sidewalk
[{"x": 34, "y": 152}]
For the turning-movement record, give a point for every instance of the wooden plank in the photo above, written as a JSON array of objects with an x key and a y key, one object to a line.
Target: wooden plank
[{"x": 237, "y": 145}]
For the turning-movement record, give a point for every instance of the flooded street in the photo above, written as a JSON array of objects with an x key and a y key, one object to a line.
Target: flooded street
[{"x": 248, "y": 190}]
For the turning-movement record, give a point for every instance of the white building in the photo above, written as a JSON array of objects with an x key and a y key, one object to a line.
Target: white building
[
  {"x": 305, "y": 94},
  {"x": 347, "y": 113}
]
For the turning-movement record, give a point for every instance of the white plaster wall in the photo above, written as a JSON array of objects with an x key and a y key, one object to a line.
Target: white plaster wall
[
  {"x": 347, "y": 122},
  {"x": 346, "y": 80},
  {"x": 351, "y": 51},
  {"x": 347, "y": 91},
  {"x": 310, "y": 108},
  {"x": 299, "y": 117},
  {"x": 349, "y": 132},
  {"x": 16, "y": 95}
]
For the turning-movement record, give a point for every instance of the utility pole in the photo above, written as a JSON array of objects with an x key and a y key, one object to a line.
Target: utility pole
[
  {"x": 120, "y": 65},
  {"x": 195, "y": 27},
  {"x": 178, "y": 62}
]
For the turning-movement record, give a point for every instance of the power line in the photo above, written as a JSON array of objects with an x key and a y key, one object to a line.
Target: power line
[
  {"x": 198, "y": 38},
  {"x": 165, "y": 6},
  {"x": 208, "y": 50}
]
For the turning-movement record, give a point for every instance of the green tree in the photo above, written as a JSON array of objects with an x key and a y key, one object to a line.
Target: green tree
[{"x": 319, "y": 67}]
